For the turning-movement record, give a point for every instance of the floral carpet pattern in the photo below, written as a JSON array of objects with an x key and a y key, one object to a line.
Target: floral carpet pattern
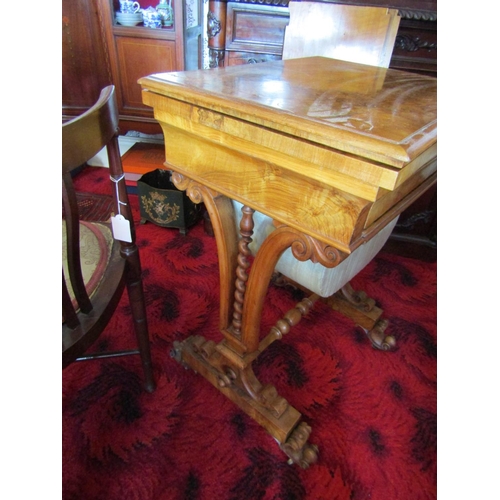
[{"x": 372, "y": 413}]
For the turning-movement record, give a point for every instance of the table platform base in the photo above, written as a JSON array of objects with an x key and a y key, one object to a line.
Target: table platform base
[
  {"x": 268, "y": 409},
  {"x": 232, "y": 375}
]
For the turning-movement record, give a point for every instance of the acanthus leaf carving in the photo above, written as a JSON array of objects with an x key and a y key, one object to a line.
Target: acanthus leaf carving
[
  {"x": 214, "y": 25},
  {"x": 412, "y": 44},
  {"x": 305, "y": 247}
]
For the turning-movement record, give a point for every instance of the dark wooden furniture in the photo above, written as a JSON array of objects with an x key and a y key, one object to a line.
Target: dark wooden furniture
[
  {"x": 85, "y": 58},
  {"x": 251, "y": 31},
  {"x": 87, "y": 312},
  {"x": 250, "y": 134},
  {"x": 97, "y": 51}
]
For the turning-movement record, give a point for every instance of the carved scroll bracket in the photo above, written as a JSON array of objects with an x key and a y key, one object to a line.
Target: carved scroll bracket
[
  {"x": 305, "y": 247},
  {"x": 195, "y": 191}
]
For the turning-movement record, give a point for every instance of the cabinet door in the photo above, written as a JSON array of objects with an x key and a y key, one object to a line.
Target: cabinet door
[
  {"x": 138, "y": 57},
  {"x": 85, "y": 70}
]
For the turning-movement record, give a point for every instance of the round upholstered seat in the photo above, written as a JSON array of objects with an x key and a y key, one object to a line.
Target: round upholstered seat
[{"x": 96, "y": 241}]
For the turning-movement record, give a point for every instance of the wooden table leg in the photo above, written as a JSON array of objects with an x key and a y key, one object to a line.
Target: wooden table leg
[{"x": 228, "y": 364}]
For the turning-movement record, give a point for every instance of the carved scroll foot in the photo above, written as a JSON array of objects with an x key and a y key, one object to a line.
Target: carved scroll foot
[
  {"x": 361, "y": 309},
  {"x": 298, "y": 449},
  {"x": 379, "y": 339}
]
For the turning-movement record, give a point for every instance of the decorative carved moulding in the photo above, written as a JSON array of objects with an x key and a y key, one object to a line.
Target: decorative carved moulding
[
  {"x": 415, "y": 14},
  {"x": 418, "y": 15},
  {"x": 214, "y": 25},
  {"x": 274, "y": 3},
  {"x": 412, "y": 44}
]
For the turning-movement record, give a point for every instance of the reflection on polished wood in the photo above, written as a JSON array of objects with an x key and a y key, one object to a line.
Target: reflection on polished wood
[
  {"x": 332, "y": 151},
  {"x": 353, "y": 33}
]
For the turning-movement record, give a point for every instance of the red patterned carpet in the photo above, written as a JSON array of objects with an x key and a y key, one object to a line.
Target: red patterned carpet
[{"x": 373, "y": 413}]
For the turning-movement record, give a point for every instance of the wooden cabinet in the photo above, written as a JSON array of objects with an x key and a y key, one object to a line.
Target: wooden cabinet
[
  {"x": 416, "y": 43},
  {"x": 98, "y": 51},
  {"x": 251, "y": 31},
  {"x": 85, "y": 70},
  {"x": 138, "y": 51},
  {"x": 254, "y": 33},
  {"x": 138, "y": 56}
]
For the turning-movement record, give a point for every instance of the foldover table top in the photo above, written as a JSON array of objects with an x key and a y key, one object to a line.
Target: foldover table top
[{"x": 313, "y": 132}]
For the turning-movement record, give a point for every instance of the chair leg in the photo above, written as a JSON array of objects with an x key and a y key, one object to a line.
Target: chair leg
[{"x": 138, "y": 306}]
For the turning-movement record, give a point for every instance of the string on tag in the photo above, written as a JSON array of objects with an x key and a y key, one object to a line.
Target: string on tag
[{"x": 116, "y": 181}]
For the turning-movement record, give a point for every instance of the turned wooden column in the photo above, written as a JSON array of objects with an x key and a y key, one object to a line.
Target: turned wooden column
[{"x": 216, "y": 32}]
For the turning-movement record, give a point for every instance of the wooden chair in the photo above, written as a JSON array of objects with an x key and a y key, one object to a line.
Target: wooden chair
[
  {"x": 352, "y": 33},
  {"x": 91, "y": 292},
  {"x": 365, "y": 35}
]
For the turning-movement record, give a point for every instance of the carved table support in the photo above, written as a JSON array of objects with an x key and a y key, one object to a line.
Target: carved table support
[
  {"x": 228, "y": 364},
  {"x": 270, "y": 410}
]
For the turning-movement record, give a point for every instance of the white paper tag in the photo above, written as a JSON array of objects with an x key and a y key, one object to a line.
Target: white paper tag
[{"x": 121, "y": 228}]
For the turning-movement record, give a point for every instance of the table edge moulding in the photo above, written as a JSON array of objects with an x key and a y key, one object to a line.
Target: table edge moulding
[{"x": 332, "y": 152}]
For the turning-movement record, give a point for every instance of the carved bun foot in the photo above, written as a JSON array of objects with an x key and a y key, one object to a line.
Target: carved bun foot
[
  {"x": 298, "y": 449},
  {"x": 379, "y": 339}
]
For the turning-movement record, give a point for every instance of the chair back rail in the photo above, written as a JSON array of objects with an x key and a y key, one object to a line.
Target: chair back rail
[
  {"x": 86, "y": 315},
  {"x": 84, "y": 136}
]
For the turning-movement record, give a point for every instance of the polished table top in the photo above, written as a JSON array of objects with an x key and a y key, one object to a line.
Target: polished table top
[{"x": 328, "y": 147}]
